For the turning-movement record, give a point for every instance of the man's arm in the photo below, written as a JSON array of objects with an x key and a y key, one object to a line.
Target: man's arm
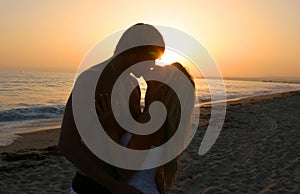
[{"x": 72, "y": 148}]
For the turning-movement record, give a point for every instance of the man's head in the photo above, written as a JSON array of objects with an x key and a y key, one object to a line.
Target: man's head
[
  {"x": 141, "y": 43},
  {"x": 139, "y": 35}
]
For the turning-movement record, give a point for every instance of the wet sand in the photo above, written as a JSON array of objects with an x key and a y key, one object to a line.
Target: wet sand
[{"x": 256, "y": 152}]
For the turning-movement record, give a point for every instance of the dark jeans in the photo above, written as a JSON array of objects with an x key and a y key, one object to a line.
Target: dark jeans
[{"x": 84, "y": 185}]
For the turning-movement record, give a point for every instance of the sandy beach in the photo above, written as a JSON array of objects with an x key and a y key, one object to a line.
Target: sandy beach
[{"x": 256, "y": 152}]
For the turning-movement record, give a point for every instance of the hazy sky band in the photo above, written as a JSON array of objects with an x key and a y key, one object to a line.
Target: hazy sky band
[{"x": 246, "y": 38}]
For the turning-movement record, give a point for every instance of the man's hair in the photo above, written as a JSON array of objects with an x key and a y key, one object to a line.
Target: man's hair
[{"x": 138, "y": 35}]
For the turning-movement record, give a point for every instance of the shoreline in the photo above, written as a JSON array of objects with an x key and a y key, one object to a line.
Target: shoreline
[
  {"x": 56, "y": 122},
  {"x": 257, "y": 151},
  {"x": 14, "y": 130},
  {"x": 247, "y": 98},
  {"x": 33, "y": 140},
  {"x": 24, "y": 139}
]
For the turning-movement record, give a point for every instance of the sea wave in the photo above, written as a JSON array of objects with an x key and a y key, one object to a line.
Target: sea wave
[{"x": 32, "y": 113}]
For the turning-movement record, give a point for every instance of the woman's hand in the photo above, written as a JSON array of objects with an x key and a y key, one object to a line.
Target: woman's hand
[
  {"x": 106, "y": 117},
  {"x": 103, "y": 106}
]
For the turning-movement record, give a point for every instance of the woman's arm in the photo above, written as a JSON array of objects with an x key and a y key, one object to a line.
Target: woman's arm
[{"x": 144, "y": 142}]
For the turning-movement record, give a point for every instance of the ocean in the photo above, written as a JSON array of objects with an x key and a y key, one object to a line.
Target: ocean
[{"x": 31, "y": 101}]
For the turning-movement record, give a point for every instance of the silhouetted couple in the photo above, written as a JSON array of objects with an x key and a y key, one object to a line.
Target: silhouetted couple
[{"x": 139, "y": 46}]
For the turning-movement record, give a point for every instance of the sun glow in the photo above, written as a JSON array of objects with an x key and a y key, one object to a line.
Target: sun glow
[{"x": 170, "y": 57}]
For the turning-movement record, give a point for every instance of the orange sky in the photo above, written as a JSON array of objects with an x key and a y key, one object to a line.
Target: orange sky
[{"x": 249, "y": 38}]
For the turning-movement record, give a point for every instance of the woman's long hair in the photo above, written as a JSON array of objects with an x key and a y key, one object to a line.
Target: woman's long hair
[{"x": 167, "y": 173}]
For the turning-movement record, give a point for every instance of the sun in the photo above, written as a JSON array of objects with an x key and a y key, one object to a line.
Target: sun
[{"x": 169, "y": 57}]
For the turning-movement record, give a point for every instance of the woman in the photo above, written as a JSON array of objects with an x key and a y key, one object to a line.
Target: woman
[{"x": 160, "y": 179}]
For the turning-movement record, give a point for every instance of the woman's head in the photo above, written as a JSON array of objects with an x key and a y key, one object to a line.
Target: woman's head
[{"x": 185, "y": 71}]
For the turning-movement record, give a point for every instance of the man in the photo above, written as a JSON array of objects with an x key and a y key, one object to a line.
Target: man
[{"x": 140, "y": 43}]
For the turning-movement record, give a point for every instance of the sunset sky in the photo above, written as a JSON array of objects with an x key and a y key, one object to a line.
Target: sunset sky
[{"x": 249, "y": 38}]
